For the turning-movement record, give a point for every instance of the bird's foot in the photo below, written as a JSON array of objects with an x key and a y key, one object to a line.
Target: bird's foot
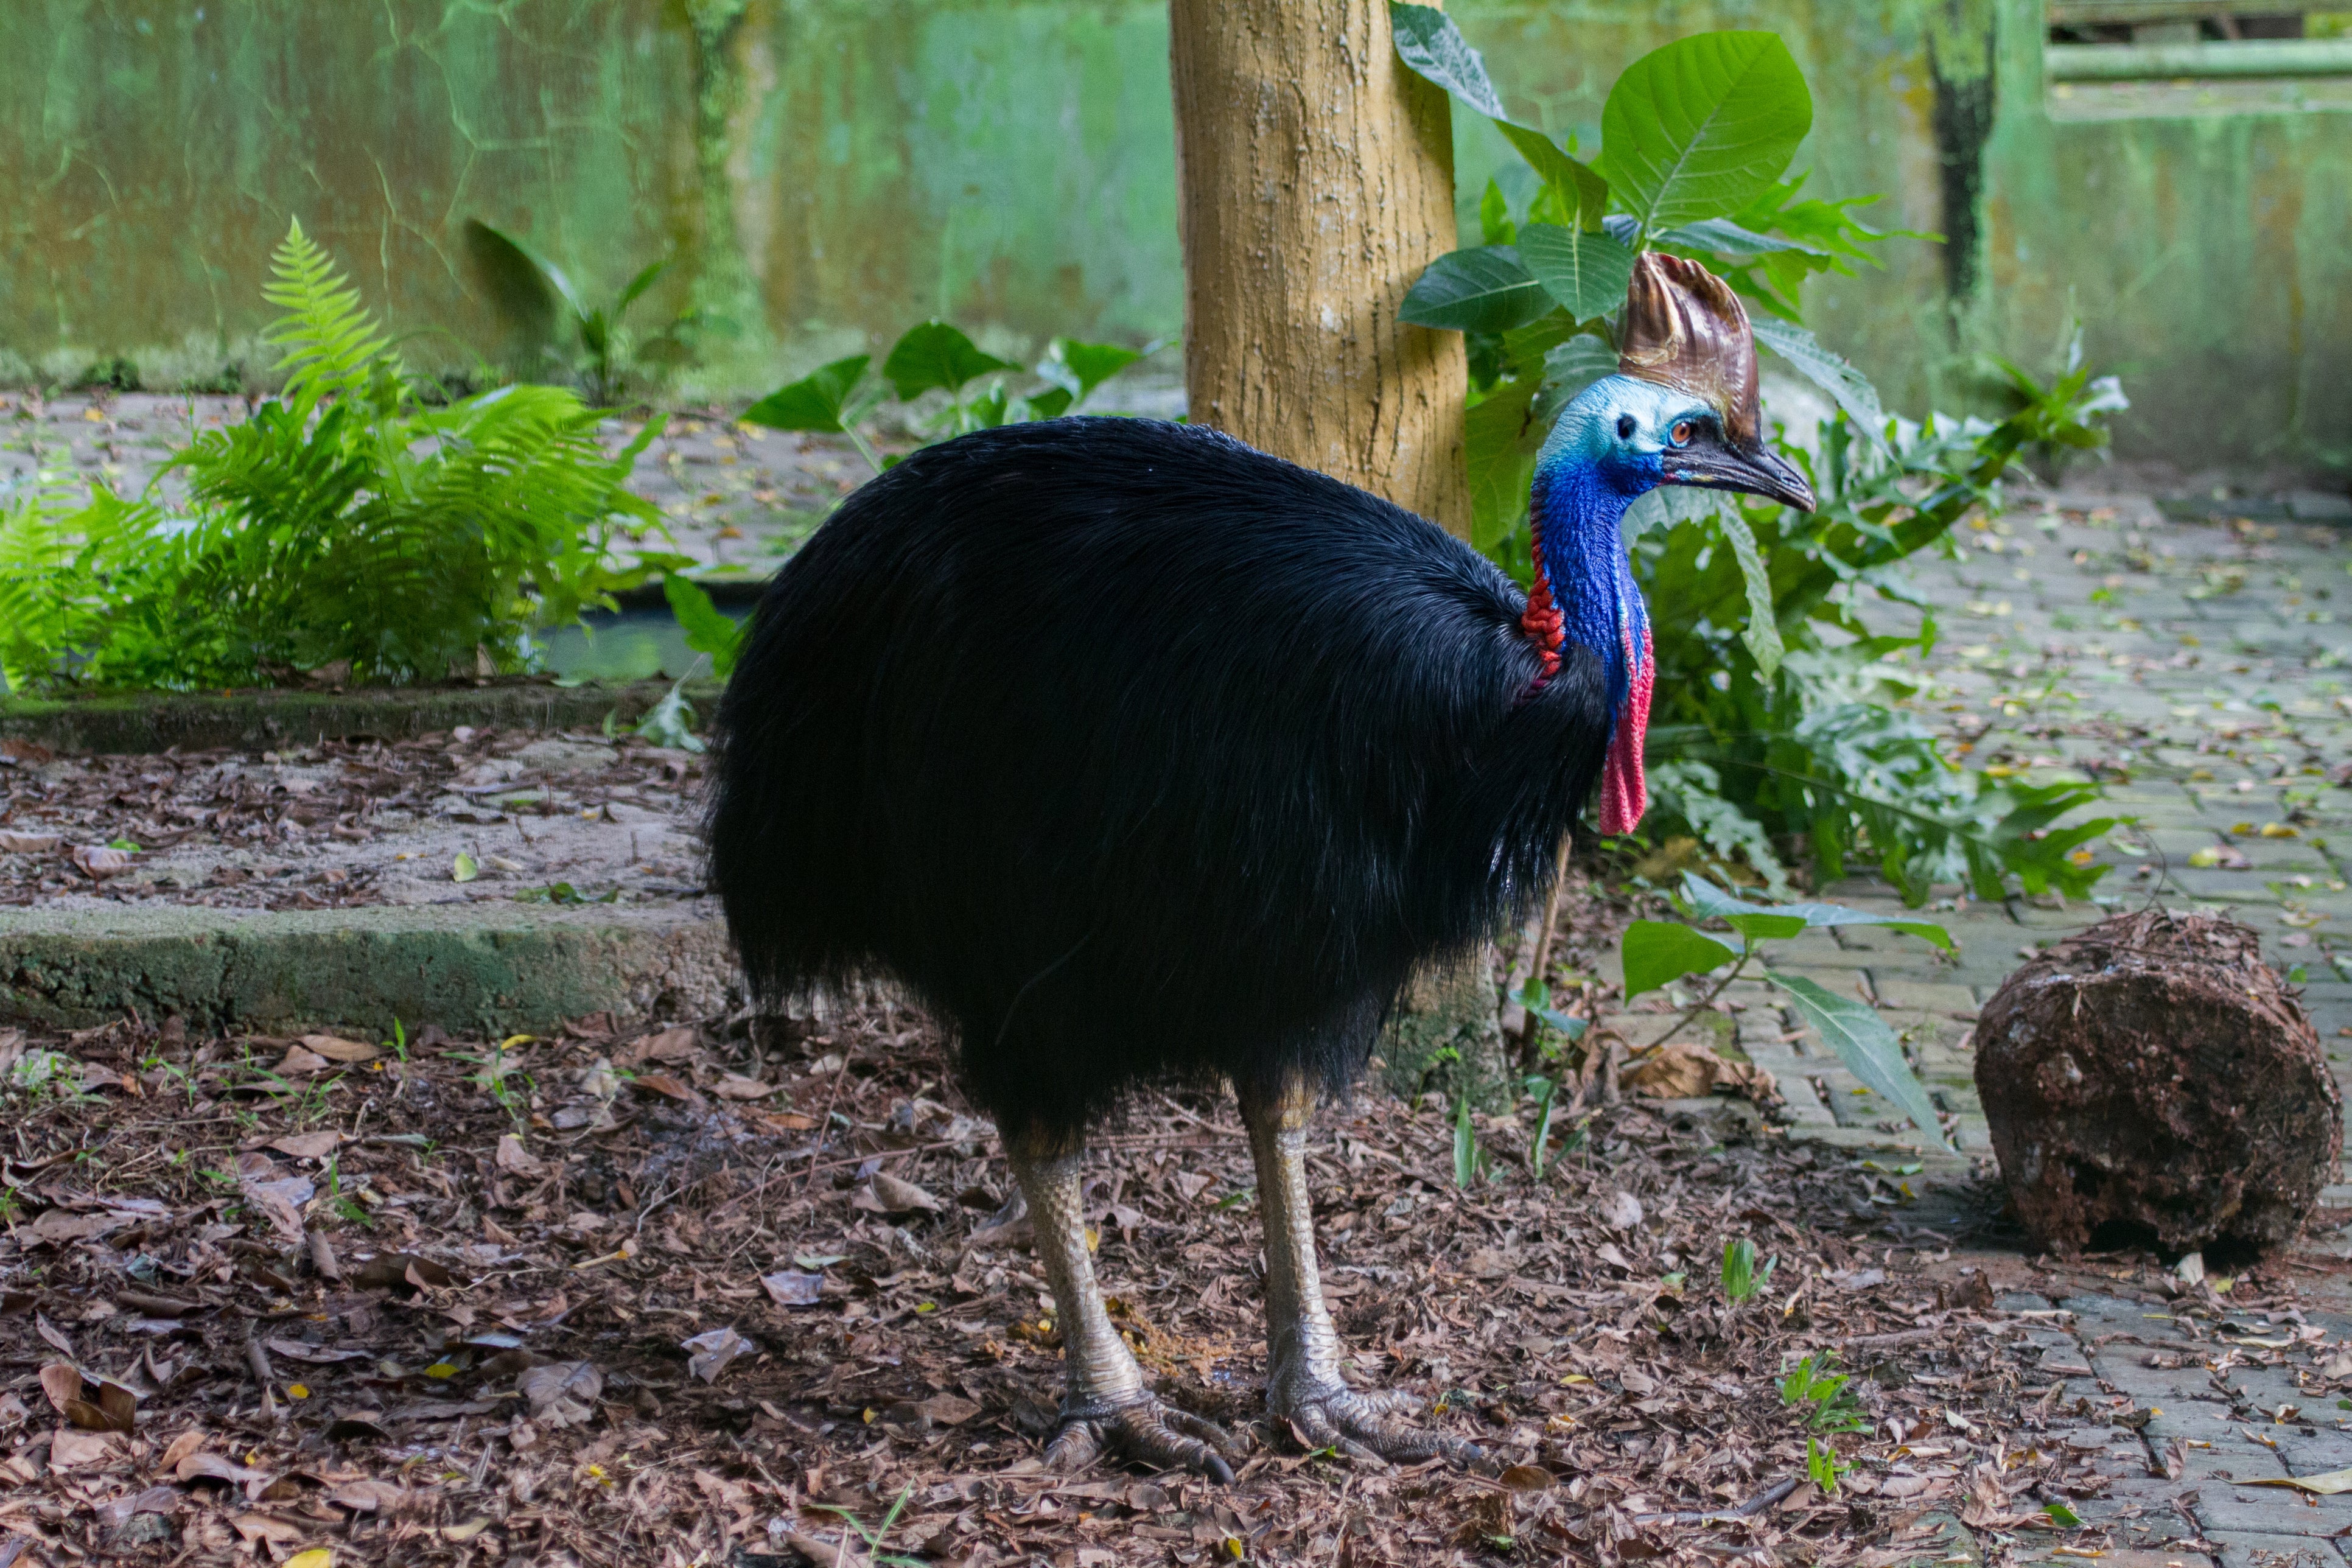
[
  {"x": 1144, "y": 1432},
  {"x": 1328, "y": 1414}
]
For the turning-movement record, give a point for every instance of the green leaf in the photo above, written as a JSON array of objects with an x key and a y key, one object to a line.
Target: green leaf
[
  {"x": 1853, "y": 1028},
  {"x": 671, "y": 722},
  {"x": 1762, "y": 633},
  {"x": 1723, "y": 238},
  {"x": 1428, "y": 41},
  {"x": 1078, "y": 368},
  {"x": 1765, "y": 928},
  {"x": 1584, "y": 194},
  {"x": 1500, "y": 439},
  {"x": 638, "y": 285},
  {"x": 1699, "y": 128},
  {"x": 1826, "y": 370},
  {"x": 1483, "y": 290},
  {"x": 814, "y": 402},
  {"x": 1657, "y": 952},
  {"x": 1586, "y": 271},
  {"x": 1468, "y": 1158},
  {"x": 1707, "y": 899},
  {"x": 1495, "y": 225},
  {"x": 709, "y": 629},
  {"x": 1575, "y": 366},
  {"x": 463, "y": 868},
  {"x": 935, "y": 355},
  {"x": 2062, "y": 1516}
]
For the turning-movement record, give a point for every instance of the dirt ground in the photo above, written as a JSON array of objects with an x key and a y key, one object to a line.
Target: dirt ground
[
  {"x": 548, "y": 818},
  {"x": 709, "y": 1294}
]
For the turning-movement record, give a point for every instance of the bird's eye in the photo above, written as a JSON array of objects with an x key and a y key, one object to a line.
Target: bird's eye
[
  {"x": 1681, "y": 433},
  {"x": 1625, "y": 426}
]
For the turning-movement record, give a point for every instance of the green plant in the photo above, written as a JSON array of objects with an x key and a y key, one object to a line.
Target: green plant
[
  {"x": 527, "y": 288},
  {"x": 839, "y": 397},
  {"x": 1469, "y": 1159},
  {"x": 1742, "y": 1280},
  {"x": 1822, "y": 1396},
  {"x": 1547, "y": 1021},
  {"x": 1656, "y": 954},
  {"x": 349, "y": 529},
  {"x": 709, "y": 630},
  {"x": 1823, "y": 1466},
  {"x": 1768, "y": 732},
  {"x": 880, "y": 1532}
]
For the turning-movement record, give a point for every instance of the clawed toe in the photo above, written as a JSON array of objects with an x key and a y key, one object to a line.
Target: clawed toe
[
  {"x": 1146, "y": 1433},
  {"x": 1364, "y": 1426}
]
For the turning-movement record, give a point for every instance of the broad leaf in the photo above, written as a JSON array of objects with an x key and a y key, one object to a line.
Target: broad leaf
[
  {"x": 1484, "y": 289},
  {"x": 1762, "y": 633},
  {"x": 1586, "y": 271},
  {"x": 1725, "y": 237},
  {"x": 1500, "y": 440},
  {"x": 1706, "y": 898},
  {"x": 1701, "y": 127},
  {"x": 1853, "y": 1028},
  {"x": 638, "y": 285},
  {"x": 1428, "y": 41},
  {"x": 936, "y": 355},
  {"x": 709, "y": 629},
  {"x": 1583, "y": 190},
  {"x": 1569, "y": 369},
  {"x": 814, "y": 402},
  {"x": 1828, "y": 370},
  {"x": 1078, "y": 368},
  {"x": 1658, "y": 952},
  {"x": 1765, "y": 928}
]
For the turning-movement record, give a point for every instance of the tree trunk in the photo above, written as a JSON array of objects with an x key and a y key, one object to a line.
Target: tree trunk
[
  {"x": 1317, "y": 179},
  {"x": 2151, "y": 1079}
]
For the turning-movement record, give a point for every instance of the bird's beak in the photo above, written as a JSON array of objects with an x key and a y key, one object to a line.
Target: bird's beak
[{"x": 1713, "y": 463}]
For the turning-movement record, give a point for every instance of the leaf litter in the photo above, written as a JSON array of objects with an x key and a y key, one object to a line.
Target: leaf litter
[{"x": 401, "y": 1310}]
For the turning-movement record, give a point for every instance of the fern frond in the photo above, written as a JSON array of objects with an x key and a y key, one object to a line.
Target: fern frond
[{"x": 330, "y": 344}]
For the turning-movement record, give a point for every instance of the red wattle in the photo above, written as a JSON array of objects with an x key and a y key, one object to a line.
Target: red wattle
[{"x": 1625, "y": 794}]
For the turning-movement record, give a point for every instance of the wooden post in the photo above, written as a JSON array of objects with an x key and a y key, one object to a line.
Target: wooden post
[{"x": 1317, "y": 181}]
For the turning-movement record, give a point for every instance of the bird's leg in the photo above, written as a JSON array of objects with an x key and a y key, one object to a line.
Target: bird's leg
[
  {"x": 1105, "y": 1408},
  {"x": 1302, "y": 1348}
]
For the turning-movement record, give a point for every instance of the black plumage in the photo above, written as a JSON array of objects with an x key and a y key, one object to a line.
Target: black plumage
[{"x": 1136, "y": 753}]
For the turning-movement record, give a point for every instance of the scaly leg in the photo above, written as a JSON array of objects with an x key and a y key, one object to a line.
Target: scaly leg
[
  {"x": 1302, "y": 1348},
  {"x": 1105, "y": 1407}
]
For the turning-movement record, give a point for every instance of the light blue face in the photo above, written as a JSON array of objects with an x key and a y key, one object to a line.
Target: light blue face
[{"x": 1626, "y": 430}]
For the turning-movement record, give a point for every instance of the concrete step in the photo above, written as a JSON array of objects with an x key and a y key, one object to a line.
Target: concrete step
[{"x": 491, "y": 967}]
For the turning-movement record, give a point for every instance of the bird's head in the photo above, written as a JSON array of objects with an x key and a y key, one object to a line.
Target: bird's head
[{"x": 1681, "y": 410}]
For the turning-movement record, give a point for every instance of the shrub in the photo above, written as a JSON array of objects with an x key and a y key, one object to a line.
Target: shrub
[{"x": 347, "y": 526}]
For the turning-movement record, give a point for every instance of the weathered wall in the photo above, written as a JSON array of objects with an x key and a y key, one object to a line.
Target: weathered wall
[{"x": 828, "y": 170}]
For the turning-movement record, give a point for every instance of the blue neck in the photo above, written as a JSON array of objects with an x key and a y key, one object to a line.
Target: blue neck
[{"x": 1575, "y": 510}]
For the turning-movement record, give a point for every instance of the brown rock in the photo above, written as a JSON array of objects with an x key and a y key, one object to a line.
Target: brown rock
[{"x": 2153, "y": 1074}]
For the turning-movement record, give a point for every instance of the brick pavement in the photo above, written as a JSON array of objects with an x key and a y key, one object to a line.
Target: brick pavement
[{"x": 2197, "y": 667}]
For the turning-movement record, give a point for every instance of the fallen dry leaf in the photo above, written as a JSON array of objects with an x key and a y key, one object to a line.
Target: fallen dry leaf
[
  {"x": 791, "y": 1287},
  {"x": 99, "y": 862},
  {"x": 710, "y": 1353},
  {"x": 179, "y": 1448},
  {"x": 200, "y": 1466},
  {"x": 18, "y": 841},
  {"x": 301, "y": 1060},
  {"x": 516, "y": 1160},
  {"x": 71, "y": 1448},
  {"x": 61, "y": 1382},
  {"x": 561, "y": 1393},
  {"x": 307, "y": 1145},
  {"x": 258, "y": 1527},
  {"x": 734, "y": 1086},
  {"x": 888, "y": 1195},
  {"x": 335, "y": 1048},
  {"x": 948, "y": 1409}
]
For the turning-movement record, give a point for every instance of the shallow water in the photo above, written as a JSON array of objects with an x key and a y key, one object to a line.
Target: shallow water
[{"x": 625, "y": 644}]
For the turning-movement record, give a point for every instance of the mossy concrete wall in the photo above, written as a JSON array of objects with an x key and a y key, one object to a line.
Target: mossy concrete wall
[{"x": 826, "y": 171}]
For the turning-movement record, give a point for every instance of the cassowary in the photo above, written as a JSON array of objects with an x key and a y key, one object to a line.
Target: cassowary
[{"x": 1139, "y": 755}]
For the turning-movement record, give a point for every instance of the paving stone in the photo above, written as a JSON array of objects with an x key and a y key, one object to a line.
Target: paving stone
[{"x": 2253, "y": 1550}]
